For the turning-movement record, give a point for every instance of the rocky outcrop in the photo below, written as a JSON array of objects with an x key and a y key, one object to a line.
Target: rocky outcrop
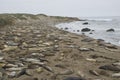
[
  {"x": 86, "y": 30},
  {"x": 85, "y": 23},
  {"x": 110, "y": 30}
]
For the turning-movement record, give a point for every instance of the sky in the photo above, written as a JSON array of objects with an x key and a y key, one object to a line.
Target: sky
[{"x": 77, "y": 8}]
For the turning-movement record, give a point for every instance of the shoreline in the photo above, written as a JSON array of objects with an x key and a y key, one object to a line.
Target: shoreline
[
  {"x": 95, "y": 30},
  {"x": 38, "y": 48}
]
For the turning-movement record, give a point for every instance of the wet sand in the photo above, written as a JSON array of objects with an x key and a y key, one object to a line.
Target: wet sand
[{"x": 34, "y": 49}]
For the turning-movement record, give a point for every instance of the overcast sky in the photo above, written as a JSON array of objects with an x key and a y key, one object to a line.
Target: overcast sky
[{"x": 62, "y": 7}]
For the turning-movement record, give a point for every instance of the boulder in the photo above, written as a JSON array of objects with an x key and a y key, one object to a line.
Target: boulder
[
  {"x": 85, "y": 23},
  {"x": 86, "y": 30},
  {"x": 66, "y": 28},
  {"x": 110, "y": 30}
]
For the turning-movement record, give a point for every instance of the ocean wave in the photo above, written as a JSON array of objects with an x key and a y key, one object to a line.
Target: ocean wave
[{"x": 99, "y": 19}]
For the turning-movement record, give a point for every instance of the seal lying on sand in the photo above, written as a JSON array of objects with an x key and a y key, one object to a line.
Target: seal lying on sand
[{"x": 74, "y": 78}]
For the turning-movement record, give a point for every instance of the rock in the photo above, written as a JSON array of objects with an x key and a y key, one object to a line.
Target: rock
[
  {"x": 94, "y": 72},
  {"x": 85, "y": 23},
  {"x": 66, "y": 28},
  {"x": 74, "y": 78},
  {"x": 86, "y": 30},
  {"x": 78, "y": 30},
  {"x": 110, "y": 30},
  {"x": 90, "y": 33},
  {"x": 110, "y": 67},
  {"x": 100, "y": 40},
  {"x": 66, "y": 72},
  {"x": 116, "y": 75}
]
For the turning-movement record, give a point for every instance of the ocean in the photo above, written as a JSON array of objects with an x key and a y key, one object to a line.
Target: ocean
[{"x": 99, "y": 25}]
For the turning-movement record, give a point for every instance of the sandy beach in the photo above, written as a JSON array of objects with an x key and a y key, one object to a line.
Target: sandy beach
[{"x": 34, "y": 49}]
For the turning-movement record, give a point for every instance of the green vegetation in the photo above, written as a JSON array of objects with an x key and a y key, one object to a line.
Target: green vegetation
[
  {"x": 6, "y": 20},
  {"x": 9, "y": 19},
  {"x": 42, "y": 15},
  {"x": 25, "y": 16},
  {"x": 64, "y": 18}
]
